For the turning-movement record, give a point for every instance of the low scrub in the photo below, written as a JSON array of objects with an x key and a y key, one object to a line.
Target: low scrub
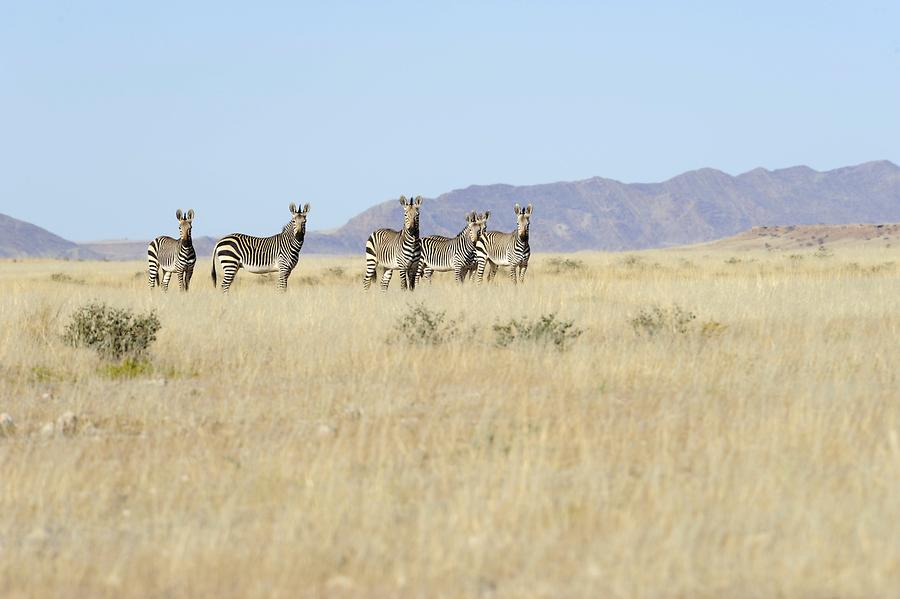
[
  {"x": 423, "y": 326},
  {"x": 656, "y": 320},
  {"x": 564, "y": 265},
  {"x": 59, "y": 277},
  {"x": 114, "y": 333},
  {"x": 547, "y": 329}
]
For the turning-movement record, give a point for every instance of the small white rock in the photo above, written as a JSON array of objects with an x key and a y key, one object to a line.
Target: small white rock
[
  {"x": 67, "y": 424},
  {"x": 47, "y": 430},
  {"x": 7, "y": 425},
  {"x": 324, "y": 431}
]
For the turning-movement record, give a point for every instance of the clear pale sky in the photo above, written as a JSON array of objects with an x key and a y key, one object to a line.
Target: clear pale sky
[{"x": 114, "y": 114}]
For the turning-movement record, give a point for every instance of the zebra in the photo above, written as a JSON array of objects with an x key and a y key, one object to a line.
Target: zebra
[
  {"x": 396, "y": 250},
  {"x": 441, "y": 253},
  {"x": 262, "y": 254},
  {"x": 166, "y": 255},
  {"x": 505, "y": 249}
]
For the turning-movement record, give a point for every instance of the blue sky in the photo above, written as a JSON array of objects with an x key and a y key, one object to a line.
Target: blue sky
[{"x": 114, "y": 114}]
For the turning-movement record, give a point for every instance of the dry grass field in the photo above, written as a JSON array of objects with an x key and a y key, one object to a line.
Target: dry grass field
[{"x": 303, "y": 445}]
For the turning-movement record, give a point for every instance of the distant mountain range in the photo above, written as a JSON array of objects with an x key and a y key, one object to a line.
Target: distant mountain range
[{"x": 593, "y": 214}]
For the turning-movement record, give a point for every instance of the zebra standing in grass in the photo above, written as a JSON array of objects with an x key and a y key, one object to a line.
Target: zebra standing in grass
[
  {"x": 505, "y": 249},
  {"x": 396, "y": 250},
  {"x": 166, "y": 255},
  {"x": 441, "y": 253},
  {"x": 262, "y": 254}
]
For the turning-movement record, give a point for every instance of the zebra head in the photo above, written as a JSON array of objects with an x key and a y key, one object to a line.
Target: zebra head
[
  {"x": 481, "y": 221},
  {"x": 298, "y": 219},
  {"x": 523, "y": 215},
  {"x": 411, "y": 213},
  {"x": 184, "y": 224},
  {"x": 473, "y": 227}
]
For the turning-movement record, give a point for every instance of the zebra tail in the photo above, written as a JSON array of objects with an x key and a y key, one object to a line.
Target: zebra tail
[{"x": 214, "y": 270}]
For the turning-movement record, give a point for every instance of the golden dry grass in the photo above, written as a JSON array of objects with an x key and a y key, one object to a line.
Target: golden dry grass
[{"x": 295, "y": 445}]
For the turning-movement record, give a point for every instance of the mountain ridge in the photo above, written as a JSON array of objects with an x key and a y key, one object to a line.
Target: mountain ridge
[{"x": 600, "y": 213}]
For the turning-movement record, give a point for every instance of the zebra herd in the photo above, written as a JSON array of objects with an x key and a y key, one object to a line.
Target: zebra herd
[{"x": 472, "y": 252}]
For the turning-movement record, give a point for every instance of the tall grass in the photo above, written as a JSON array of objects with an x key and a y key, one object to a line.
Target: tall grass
[{"x": 283, "y": 445}]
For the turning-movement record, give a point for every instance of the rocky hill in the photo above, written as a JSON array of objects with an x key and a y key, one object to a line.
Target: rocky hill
[
  {"x": 799, "y": 237},
  {"x": 696, "y": 206},
  {"x": 19, "y": 239}
]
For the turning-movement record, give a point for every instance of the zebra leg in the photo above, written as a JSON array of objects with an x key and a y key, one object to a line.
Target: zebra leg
[
  {"x": 514, "y": 273},
  {"x": 411, "y": 271},
  {"x": 428, "y": 273},
  {"x": 283, "y": 279},
  {"x": 492, "y": 272},
  {"x": 152, "y": 271},
  {"x": 386, "y": 278},
  {"x": 181, "y": 281},
  {"x": 404, "y": 278},
  {"x": 165, "y": 282},
  {"x": 188, "y": 273},
  {"x": 228, "y": 273},
  {"x": 479, "y": 270},
  {"x": 371, "y": 268},
  {"x": 522, "y": 270}
]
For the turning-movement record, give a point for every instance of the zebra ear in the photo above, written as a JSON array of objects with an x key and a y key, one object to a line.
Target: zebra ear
[
  {"x": 293, "y": 208},
  {"x": 418, "y": 200},
  {"x": 190, "y": 214},
  {"x": 529, "y": 209},
  {"x": 470, "y": 217},
  {"x": 518, "y": 209},
  {"x": 403, "y": 200},
  {"x": 178, "y": 214},
  {"x": 305, "y": 208},
  {"x": 487, "y": 214}
]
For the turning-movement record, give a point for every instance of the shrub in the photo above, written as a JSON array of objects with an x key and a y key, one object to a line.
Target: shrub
[
  {"x": 712, "y": 328},
  {"x": 547, "y": 329},
  {"x": 563, "y": 265},
  {"x": 823, "y": 252},
  {"x": 59, "y": 277},
  {"x": 114, "y": 333},
  {"x": 632, "y": 261},
  {"x": 427, "y": 327},
  {"x": 656, "y": 319}
]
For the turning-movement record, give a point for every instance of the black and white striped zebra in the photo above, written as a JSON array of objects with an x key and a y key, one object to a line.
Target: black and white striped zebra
[
  {"x": 166, "y": 255},
  {"x": 278, "y": 253},
  {"x": 495, "y": 248},
  {"x": 396, "y": 250},
  {"x": 444, "y": 254}
]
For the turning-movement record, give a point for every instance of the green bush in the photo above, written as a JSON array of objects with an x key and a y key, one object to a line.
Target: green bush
[
  {"x": 656, "y": 319},
  {"x": 427, "y": 327},
  {"x": 547, "y": 329},
  {"x": 114, "y": 333}
]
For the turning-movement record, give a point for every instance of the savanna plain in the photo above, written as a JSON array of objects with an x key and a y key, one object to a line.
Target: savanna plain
[{"x": 682, "y": 423}]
